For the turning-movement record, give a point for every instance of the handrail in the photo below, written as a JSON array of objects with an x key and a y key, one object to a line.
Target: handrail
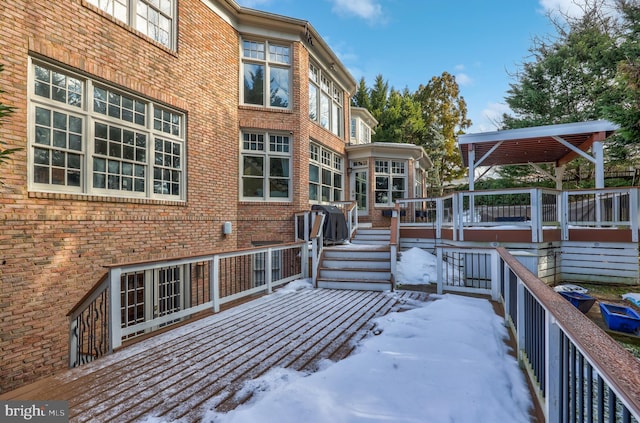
[
  {"x": 90, "y": 296},
  {"x": 615, "y": 365},
  {"x": 98, "y": 325},
  {"x": 316, "y": 247}
]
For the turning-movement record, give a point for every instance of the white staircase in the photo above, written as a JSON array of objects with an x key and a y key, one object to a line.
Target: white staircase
[{"x": 365, "y": 264}]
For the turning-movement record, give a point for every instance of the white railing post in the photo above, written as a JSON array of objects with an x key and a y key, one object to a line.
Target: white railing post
[
  {"x": 520, "y": 319},
  {"x": 268, "y": 271},
  {"x": 73, "y": 342},
  {"x": 507, "y": 292},
  {"x": 495, "y": 275},
  {"x": 535, "y": 205},
  {"x": 314, "y": 264},
  {"x": 304, "y": 256},
  {"x": 439, "y": 217},
  {"x": 553, "y": 389},
  {"x": 633, "y": 213},
  {"x": 115, "y": 326},
  {"x": 564, "y": 218},
  {"x": 439, "y": 270},
  {"x": 214, "y": 277}
]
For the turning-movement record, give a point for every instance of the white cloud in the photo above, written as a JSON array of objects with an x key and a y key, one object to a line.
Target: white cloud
[
  {"x": 572, "y": 8},
  {"x": 491, "y": 117},
  {"x": 369, "y": 10},
  {"x": 463, "y": 79}
]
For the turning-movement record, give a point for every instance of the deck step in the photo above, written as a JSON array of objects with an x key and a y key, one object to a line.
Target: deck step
[{"x": 357, "y": 266}]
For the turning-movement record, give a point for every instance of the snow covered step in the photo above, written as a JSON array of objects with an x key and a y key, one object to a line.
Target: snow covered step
[{"x": 356, "y": 267}]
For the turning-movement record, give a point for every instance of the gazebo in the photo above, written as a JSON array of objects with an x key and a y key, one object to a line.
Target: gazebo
[{"x": 556, "y": 144}]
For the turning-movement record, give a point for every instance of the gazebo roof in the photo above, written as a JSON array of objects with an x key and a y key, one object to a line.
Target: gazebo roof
[{"x": 541, "y": 144}]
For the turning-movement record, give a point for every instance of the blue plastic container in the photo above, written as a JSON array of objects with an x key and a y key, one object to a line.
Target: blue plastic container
[
  {"x": 620, "y": 318},
  {"x": 582, "y": 302}
]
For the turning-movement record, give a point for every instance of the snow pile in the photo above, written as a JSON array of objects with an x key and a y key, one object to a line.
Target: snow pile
[
  {"x": 416, "y": 267},
  {"x": 444, "y": 361}
]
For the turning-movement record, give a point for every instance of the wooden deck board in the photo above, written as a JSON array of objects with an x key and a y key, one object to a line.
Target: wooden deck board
[{"x": 175, "y": 375}]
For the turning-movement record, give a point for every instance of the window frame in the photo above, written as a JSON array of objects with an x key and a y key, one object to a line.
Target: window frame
[
  {"x": 269, "y": 152},
  {"x": 329, "y": 164},
  {"x": 326, "y": 101},
  {"x": 269, "y": 64},
  {"x": 128, "y": 155},
  {"x": 132, "y": 19},
  {"x": 390, "y": 170}
]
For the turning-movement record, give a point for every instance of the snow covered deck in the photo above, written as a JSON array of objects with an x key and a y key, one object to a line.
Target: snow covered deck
[{"x": 202, "y": 365}]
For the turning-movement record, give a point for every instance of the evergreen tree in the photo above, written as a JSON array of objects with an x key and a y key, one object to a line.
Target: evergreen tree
[
  {"x": 444, "y": 112},
  {"x": 361, "y": 97},
  {"x": 623, "y": 99}
]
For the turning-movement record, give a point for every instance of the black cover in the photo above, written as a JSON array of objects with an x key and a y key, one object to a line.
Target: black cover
[{"x": 335, "y": 225}]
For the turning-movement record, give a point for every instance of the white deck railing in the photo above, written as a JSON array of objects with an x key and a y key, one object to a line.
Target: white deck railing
[
  {"x": 533, "y": 209},
  {"x": 139, "y": 298}
]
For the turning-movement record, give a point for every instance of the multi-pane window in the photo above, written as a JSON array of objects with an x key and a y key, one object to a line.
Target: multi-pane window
[
  {"x": 266, "y": 69},
  {"x": 326, "y": 171},
  {"x": 266, "y": 166},
  {"x": 154, "y": 18},
  {"x": 391, "y": 181},
  {"x": 325, "y": 101},
  {"x": 91, "y": 139}
]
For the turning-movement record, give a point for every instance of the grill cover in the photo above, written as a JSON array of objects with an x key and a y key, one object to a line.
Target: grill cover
[{"x": 335, "y": 225}]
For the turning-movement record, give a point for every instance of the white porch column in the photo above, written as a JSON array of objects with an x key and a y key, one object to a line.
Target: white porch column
[
  {"x": 471, "y": 157},
  {"x": 598, "y": 153},
  {"x": 559, "y": 176}
]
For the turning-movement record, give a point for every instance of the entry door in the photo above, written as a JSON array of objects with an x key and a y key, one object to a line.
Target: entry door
[{"x": 360, "y": 191}]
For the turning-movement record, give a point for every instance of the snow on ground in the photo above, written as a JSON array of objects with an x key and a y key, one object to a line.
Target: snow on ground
[
  {"x": 416, "y": 267},
  {"x": 443, "y": 361}
]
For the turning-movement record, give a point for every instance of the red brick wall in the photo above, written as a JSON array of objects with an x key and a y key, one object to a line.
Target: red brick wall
[{"x": 53, "y": 246}]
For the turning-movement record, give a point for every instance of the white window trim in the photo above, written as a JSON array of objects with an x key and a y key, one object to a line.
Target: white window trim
[
  {"x": 132, "y": 16},
  {"x": 390, "y": 175},
  {"x": 268, "y": 65},
  {"x": 335, "y": 166},
  {"x": 266, "y": 154},
  {"x": 90, "y": 117},
  {"x": 335, "y": 95}
]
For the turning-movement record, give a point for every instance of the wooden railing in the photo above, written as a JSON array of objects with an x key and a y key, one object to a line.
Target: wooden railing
[
  {"x": 139, "y": 298},
  {"x": 579, "y": 373}
]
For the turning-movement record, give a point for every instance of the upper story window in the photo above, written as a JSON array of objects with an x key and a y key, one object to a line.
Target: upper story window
[
  {"x": 89, "y": 138},
  {"x": 266, "y": 166},
  {"x": 154, "y": 18},
  {"x": 391, "y": 181},
  {"x": 266, "y": 71},
  {"x": 325, "y": 101},
  {"x": 326, "y": 171},
  {"x": 360, "y": 132}
]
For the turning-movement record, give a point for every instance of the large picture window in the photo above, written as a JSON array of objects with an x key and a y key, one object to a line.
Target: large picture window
[
  {"x": 325, "y": 101},
  {"x": 89, "y": 138},
  {"x": 266, "y": 70},
  {"x": 266, "y": 167},
  {"x": 154, "y": 18},
  {"x": 325, "y": 175},
  {"x": 391, "y": 181}
]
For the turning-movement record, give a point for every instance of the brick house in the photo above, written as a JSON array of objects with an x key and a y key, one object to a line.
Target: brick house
[{"x": 145, "y": 126}]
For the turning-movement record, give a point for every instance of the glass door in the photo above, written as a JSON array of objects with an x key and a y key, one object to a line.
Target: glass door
[{"x": 359, "y": 190}]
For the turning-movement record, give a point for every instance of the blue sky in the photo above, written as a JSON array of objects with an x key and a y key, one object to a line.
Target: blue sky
[{"x": 409, "y": 41}]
